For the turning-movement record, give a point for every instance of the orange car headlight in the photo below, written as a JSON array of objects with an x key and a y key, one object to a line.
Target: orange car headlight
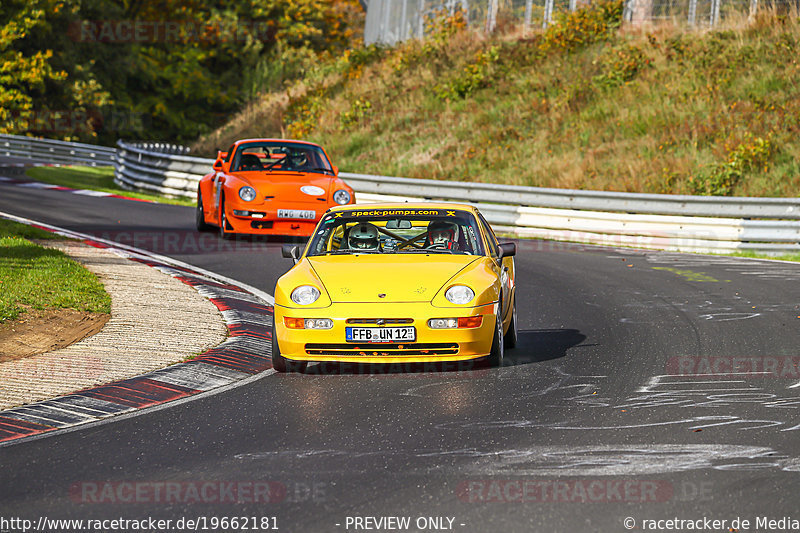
[
  {"x": 248, "y": 194},
  {"x": 341, "y": 197}
]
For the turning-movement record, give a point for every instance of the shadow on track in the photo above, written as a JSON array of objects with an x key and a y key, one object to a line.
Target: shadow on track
[
  {"x": 533, "y": 346},
  {"x": 375, "y": 369},
  {"x": 537, "y": 345}
]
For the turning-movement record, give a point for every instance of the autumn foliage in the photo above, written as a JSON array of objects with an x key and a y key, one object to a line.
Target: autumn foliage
[{"x": 99, "y": 70}]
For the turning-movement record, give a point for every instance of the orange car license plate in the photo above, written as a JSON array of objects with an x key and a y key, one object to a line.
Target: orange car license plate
[
  {"x": 405, "y": 334},
  {"x": 304, "y": 214}
]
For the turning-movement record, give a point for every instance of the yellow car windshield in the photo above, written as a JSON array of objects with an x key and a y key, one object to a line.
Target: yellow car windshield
[{"x": 397, "y": 232}]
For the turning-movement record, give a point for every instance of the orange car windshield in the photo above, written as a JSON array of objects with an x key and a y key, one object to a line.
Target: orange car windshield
[{"x": 274, "y": 156}]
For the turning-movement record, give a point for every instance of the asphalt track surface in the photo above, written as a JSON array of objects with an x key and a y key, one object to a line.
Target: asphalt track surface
[{"x": 601, "y": 414}]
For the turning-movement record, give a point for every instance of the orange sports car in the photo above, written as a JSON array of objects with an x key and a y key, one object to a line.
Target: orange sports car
[{"x": 269, "y": 187}]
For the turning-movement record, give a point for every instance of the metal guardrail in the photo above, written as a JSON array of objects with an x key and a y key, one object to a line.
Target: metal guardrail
[
  {"x": 659, "y": 232},
  {"x": 57, "y": 152},
  {"x": 659, "y": 221},
  {"x": 652, "y": 204},
  {"x": 140, "y": 167},
  {"x": 667, "y": 222}
]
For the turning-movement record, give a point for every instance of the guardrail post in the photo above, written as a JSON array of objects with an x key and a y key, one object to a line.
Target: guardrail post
[
  {"x": 491, "y": 15},
  {"x": 403, "y": 30},
  {"x": 421, "y": 19},
  {"x": 528, "y": 16},
  {"x": 548, "y": 13},
  {"x": 714, "y": 13}
]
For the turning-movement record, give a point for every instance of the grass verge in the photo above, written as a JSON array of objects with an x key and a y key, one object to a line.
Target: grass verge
[
  {"x": 41, "y": 278},
  {"x": 95, "y": 179},
  {"x": 755, "y": 255}
]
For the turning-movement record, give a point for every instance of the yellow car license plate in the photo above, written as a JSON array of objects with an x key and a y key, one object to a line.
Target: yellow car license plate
[{"x": 404, "y": 334}]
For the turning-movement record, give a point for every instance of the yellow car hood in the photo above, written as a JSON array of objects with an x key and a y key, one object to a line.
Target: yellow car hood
[{"x": 400, "y": 278}]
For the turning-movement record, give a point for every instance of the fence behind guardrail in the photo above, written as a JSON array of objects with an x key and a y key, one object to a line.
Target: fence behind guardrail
[{"x": 393, "y": 21}]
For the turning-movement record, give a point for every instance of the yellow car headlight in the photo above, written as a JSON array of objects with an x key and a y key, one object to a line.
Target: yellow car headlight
[
  {"x": 459, "y": 294},
  {"x": 305, "y": 295}
]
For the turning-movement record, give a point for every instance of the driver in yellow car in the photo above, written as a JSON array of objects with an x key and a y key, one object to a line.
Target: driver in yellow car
[{"x": 442, "y": 235}]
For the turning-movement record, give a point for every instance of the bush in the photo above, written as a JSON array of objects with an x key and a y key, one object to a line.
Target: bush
[
  {"x": 749, "y": 156},
  {"x": 471, "y": 77},
  {"x": 620, "y": 65},
  {"x": 359, "y": 110},
  {"x": 574, "y": 30}
]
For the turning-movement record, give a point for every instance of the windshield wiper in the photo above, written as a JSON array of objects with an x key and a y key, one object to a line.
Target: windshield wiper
[
  {"x": 348, "y": 251},
  {"x": 424, "y": 251},
  {"x": 271, "y": 165}
]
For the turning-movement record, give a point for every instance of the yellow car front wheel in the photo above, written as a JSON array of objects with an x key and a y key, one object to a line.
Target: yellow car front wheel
[
  {"x": 510, "y": 338},
  {"x": 495, "y": 357},
  {"x": 280, "y": 363}
]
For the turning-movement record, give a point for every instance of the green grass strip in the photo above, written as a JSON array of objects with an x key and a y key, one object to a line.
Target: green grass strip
[
  {"x": 96, "y": 179},
  {"x": 38, "y": 277}
]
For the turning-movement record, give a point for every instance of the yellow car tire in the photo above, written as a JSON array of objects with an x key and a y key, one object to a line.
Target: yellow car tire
[
  {"x": 495, "y": 357},
  {"x": 280, "y": 363},
  {"x": 510, "y": 338}
]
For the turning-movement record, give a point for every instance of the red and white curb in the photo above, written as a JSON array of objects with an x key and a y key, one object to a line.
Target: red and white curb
[
  {"x": 27, "y": 183},
  {"x": 247, "y": 312}
]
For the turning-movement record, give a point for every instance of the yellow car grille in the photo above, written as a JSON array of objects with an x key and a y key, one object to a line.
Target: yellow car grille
[
  {"x": 386, "y": 321},
  {"x": 378, "y": 350}
]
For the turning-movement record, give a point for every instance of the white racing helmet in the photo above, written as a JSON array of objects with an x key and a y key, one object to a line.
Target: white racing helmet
[{"x": 363, "y": 236}]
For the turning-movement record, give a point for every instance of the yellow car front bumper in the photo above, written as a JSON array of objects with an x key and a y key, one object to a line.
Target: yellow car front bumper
[{"x": 430, "y": 345}]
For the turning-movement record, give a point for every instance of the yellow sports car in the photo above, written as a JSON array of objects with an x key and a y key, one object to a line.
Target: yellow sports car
[{"x": 390, "y": 283}]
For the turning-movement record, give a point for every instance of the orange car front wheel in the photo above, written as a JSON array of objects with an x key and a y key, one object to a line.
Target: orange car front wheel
[
  {"x": 223, "y": 221},
  {"x": 200, "y": 218}
]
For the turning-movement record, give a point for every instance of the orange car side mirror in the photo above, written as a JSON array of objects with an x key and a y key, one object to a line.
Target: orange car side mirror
[
  {"x": 218, "y": 162},
  {"x": 335, "y": 171}
]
